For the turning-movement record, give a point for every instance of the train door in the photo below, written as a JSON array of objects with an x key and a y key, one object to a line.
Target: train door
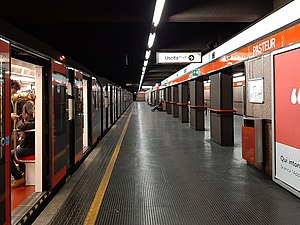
[
  {"x": 78, "y": 115},
  {"x": 120, "y": 102},
  {"x": 105, "y": 109},
  {"x": 59, "y": 120},
  {"x": 113, "y": 91},
  {"x": 112, "y": 105},
  {"x": 117, "y": 103},
  {"x": 27, "y": 125},
  {"x": 108, "y": 94},
  {"x": 85, "y": 115},
  {"x": 96, "y": 110},
  {"x": 4, "y": 133}
]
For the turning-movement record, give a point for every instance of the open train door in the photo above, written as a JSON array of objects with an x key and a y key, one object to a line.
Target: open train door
[
  {"x": 4, "y": 133},
  {"x": 59, "y": 123}
]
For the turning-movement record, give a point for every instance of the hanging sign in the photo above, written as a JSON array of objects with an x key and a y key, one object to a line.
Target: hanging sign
[{"x": 178, "y": 57}]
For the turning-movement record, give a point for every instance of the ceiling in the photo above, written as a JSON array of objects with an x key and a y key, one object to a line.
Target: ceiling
[{"x": 110, "y": 37}]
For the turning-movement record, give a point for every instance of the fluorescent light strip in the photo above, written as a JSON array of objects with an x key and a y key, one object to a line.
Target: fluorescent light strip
[
  {"x": 238, "y": 79},
  {"x": 6, "y": 41},
  {"x": 159, "y": 6},
  {"x": 151, "y": 40},
  {"x": 147, "y": 55},
  {"x": 238, "y": 74},
  {"x": 23, "y": 75},
  {"x": 141, "y": 81},
  {"x": 23, "y": 79}
]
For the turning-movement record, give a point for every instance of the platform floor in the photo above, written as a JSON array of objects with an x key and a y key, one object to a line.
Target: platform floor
[{"x": 167, "y": 173}]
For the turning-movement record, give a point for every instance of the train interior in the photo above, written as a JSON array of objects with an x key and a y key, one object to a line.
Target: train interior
[{"x": 27, "y": 74}]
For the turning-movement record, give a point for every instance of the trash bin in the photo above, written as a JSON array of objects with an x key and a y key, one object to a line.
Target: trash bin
[{"x": 252, "y": 145}]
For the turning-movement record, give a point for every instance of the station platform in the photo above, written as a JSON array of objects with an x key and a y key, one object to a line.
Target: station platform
[{"x": 151, "y": 169}]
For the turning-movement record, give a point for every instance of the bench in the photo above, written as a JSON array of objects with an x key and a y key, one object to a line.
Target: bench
[{"x": 29, "y": 170}]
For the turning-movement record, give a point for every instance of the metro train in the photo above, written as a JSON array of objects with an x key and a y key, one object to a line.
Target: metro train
[{"x": 73, "y": 110}]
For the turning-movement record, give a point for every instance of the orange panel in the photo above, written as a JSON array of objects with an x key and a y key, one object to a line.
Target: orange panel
[
  {"x": 268, "y": 44},
  {"x": 248, "y": 144},
  {"x": 58, "y": 67},
  {"x": 291, "y": 35},
  {"x": 182, "y": 79},
  {"x": 240, "y": 83},
  {"x": 282, "y": 38}
]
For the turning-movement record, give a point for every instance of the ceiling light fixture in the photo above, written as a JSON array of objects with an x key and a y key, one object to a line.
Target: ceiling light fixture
[
  {"x": 151, "y": 40},
  {"x": 147, "y": 55},
  {"x": 159, "y": 6},
  {"x": 238, "y": 74},
  {"x": 146, "y": 87},
  {"x": 62, "y": 57},
  {"x": 145, "y": 62}
]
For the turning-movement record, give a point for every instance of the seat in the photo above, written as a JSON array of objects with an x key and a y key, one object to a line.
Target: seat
[{"x": 29, "y": 170}]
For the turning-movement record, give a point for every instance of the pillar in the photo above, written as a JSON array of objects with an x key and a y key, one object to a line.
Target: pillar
[
  {"x": 168, "y": 100},
  {"x": 183, "y": 102},
  {"x": 157, "y": 97},
  {"x": 197, "y": 104},
  {"x": 164, "y": 99},
  {"x": 174, "y": 101},
  {"x": 152, "y": 98},
  {"x": 221, "y": 112}
]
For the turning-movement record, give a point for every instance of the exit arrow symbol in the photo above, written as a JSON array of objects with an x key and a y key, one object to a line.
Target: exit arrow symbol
[{"x": 191, "y": 57}]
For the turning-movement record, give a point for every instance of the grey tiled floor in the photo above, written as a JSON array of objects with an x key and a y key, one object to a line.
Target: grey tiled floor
[{"x": 167, "y": 173}]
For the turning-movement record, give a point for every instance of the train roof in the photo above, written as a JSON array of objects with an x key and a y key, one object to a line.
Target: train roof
[
  {"x": 105, "y": 81},
  {"x": 24, "y": 40}
]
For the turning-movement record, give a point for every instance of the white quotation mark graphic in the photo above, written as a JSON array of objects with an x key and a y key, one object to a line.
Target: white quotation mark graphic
[{"x": 294, "y": 97}]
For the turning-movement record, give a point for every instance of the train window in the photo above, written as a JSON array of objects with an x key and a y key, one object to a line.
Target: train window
[
  {"x": 78, "y": 100},
  {"x": 60, "y": 102},
  {"x": 61, "y": 118}
]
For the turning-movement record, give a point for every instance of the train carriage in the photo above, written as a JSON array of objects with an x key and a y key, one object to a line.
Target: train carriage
[{"x": 73, "y": 109}]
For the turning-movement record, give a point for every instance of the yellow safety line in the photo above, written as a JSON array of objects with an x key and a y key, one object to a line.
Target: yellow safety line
[{"x": 95, "y": 207}]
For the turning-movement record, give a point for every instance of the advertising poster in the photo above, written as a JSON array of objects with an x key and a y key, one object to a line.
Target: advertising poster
[{"x": 287, "y": 117}]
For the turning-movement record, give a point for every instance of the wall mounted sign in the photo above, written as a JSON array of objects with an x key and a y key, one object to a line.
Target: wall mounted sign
[
  {"x": 256, "y": 90},
  {"x": 178, "y": 57}
]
